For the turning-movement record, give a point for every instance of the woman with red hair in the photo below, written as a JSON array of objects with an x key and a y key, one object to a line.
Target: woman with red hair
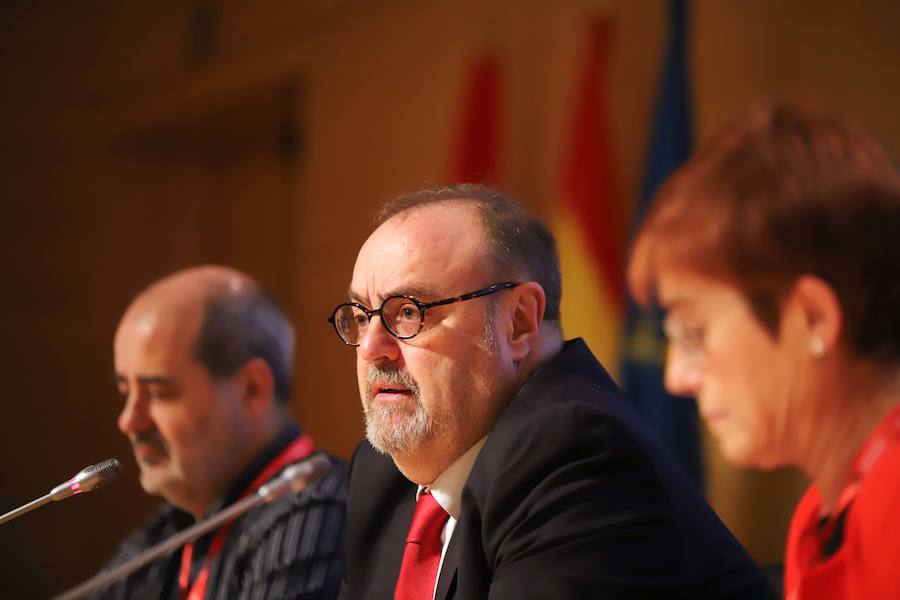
[{"x": 775, "y": 252}]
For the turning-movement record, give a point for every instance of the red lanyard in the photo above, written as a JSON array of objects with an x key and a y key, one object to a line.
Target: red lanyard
[
  {"x": 872, "y": 449},
  {"x": 296, "y": 451}
]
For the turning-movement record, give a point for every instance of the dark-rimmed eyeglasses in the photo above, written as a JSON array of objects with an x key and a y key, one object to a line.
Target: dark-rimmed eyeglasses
[{"x": 403, "y": 316}]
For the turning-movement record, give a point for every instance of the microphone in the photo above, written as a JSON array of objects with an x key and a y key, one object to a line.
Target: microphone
[
  {"x": 291, "y": 480},
  {"x": 87, "y": 479},
  {"x": 294, "y": 478}
]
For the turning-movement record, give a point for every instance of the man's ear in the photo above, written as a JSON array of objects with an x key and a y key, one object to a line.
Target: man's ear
[
  {"x": 527, "y": 302},
  {"x": 821, "y": 311},
  {"x": 256, "y": 386}
]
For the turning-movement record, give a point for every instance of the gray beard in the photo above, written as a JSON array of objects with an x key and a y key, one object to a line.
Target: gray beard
[{"x": 391, "y": 428}]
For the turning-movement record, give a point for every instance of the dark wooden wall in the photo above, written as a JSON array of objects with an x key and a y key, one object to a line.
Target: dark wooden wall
[{"x": 138, "y": 138}]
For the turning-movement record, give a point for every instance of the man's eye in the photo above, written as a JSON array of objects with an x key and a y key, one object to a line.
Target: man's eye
[
  {"x": 409, "y": 312},
  {"x": 162, "y": 392}
]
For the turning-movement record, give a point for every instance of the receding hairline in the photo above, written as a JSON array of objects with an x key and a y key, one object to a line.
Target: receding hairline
[
  {"x": 405, "y": 212},
  {"x": 479, "y": 207},
  {"x": 483, "y": 252},
  {"x": 409, "y": 201},
  {"x": 193, "y": 286},
  {"x": 181, "y": 300}
]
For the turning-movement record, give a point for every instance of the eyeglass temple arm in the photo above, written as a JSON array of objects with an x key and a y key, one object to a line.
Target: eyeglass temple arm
[{"x": 471, "y": 295}]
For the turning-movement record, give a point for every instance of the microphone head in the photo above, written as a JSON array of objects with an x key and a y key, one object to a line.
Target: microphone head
[
  {"x": 302, "y": 474},
  {"x": 296, "y": 477},
  {"x": 93, "y": 476},
  {"x": 87, "y": 479}
]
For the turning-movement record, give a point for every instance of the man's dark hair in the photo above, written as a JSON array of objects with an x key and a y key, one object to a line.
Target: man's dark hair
[
  {"x": 519, "y": 244},
  {"x": 238, "y": 326}
]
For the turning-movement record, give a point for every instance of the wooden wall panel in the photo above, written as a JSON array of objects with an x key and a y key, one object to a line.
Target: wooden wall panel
[{"x": 124, "y": 157}]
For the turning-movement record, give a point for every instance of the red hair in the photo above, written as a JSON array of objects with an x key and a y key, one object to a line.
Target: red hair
[{"x": 784, "y": 191}]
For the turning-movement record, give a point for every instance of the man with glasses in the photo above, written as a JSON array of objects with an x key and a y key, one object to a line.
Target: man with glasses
[{"x": 500, "y": 460}]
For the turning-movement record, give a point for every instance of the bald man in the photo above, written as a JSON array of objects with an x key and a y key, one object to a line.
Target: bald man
[{"x": 203, "y": 362}]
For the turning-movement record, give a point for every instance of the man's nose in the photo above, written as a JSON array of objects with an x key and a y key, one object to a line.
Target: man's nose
[
  {"x": 683, "y": 375},
  {"x": 135, "y": 416},
  {"x": 377, "y": 344}
]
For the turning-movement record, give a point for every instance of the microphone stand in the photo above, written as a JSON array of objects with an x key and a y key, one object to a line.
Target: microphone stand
[
  {"x": 293, "y": 479},
  {"x": 26, "y": 508},
  {"x": 89, "y": 478}
]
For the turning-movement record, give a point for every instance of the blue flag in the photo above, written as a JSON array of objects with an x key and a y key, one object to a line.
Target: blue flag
[{"x": 673, "y": 419}]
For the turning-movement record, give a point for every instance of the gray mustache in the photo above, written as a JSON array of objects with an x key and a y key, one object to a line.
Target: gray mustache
[
  {"x": 391, "y": 376},
  {"x": 150, "y": 438}
]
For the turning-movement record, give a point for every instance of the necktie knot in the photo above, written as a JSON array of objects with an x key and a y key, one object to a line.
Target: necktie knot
[{"x": 428, "y": 520}]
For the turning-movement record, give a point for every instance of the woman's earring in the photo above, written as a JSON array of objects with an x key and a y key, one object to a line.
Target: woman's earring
[{"x": 817, "y": 347}]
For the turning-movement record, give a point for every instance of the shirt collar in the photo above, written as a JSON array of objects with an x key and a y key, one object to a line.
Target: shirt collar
[{"x": 447, "y": 488}]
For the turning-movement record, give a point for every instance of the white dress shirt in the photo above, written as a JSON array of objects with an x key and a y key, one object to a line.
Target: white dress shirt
[{"x": 447, "y": 491}]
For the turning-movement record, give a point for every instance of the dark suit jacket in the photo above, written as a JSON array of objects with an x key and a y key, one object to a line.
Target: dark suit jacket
[{"x": 570, "y": 497}]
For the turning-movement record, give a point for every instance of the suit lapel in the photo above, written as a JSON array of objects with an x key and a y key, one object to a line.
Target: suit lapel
[
  {"x": 381, "y": 503},
  {"x": 395, "y": 540},
  {"x": 446, "y": 587}
]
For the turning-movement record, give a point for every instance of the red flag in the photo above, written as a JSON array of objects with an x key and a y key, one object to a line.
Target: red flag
[
  {"x": 588, "y": 224},
  {"x": 590, "y": 186},
  {"x": 477, "y": 149}
]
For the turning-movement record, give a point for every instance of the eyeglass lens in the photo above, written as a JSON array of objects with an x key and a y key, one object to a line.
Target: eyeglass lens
[{"x": 401, "y": 316}]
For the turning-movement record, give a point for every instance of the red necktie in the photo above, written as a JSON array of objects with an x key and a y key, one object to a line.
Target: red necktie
[{"x": 422, "y": 555}]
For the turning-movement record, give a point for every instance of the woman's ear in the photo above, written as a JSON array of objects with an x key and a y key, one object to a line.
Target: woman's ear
[
  {"x": 527, "y": 312},
  {"x": 821, "y": 311}
]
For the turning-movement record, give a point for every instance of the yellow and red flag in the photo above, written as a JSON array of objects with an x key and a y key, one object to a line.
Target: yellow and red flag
[{"x": 589, "y": 224}]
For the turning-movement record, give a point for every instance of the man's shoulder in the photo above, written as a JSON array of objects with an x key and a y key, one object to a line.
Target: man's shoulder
[
  {"x": 572, "y": 413},
  {"x": 154, "y": 579},
  {"x": 295, "y": 543},
  {"x": 571, "y": 481},
  {"x": 534, "y": 438},
  {"x": 163, "y": 524},
  {"x": 331, "y": 487},
  {"x": 570, "y": 397},
  {"x": 325, "y": 497},
  {"x": 573, "y": 375}
]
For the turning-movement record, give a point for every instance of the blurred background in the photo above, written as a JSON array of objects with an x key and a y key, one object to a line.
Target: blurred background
[{"x": 143, "y": 137}]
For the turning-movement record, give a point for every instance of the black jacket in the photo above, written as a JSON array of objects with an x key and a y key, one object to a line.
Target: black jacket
[
  {"x": 570, "y": 497},
  {"x": 291, "y": 548}
]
